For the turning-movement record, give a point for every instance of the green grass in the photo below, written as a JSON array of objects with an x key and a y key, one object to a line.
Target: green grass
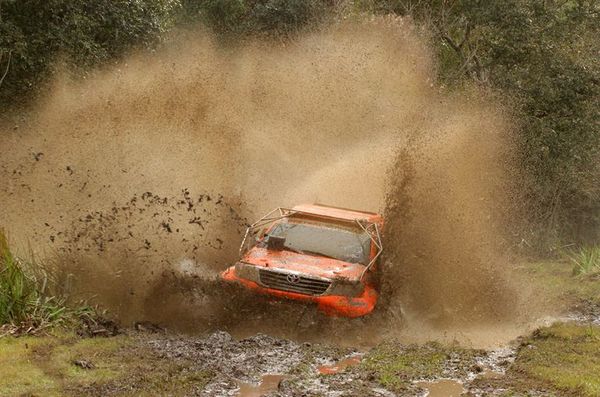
[
  {"x": 102, "y": 352},
  {"x": 18, "y": 290},
  {"x": 557, "y": 282},
  {"x": 564, "y": 356},
  {"x": 18, "y": 374},
  {"x": 45, "y": 365},
  {"x": 396, "y": 366},
  {"x": 123, "y": 365},
  {"x": 24, "y": 299},
  {"x": 585, "y": 260}
]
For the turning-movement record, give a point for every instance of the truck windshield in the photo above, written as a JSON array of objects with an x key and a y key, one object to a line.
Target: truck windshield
[{"x": 347, "y": 245}]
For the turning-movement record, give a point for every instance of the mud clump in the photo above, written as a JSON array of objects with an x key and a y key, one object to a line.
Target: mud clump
[
  {"x": 149, "y": 170},
  {"x": 126, "y": 258}
]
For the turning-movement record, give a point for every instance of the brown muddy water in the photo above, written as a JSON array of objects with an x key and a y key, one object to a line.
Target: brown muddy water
[
  {"x": 340, "y": 365},
  {"x": 442, "y": 388},
  {"x": 268, "y": 383}
]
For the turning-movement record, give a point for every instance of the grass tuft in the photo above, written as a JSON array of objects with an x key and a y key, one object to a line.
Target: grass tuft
[
  {"x": 586, "y": 260},
  {"x": 25, "y": 306}
]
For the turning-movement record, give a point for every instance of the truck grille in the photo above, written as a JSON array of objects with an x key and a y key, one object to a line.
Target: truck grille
[{"x": 293, "y": 283}]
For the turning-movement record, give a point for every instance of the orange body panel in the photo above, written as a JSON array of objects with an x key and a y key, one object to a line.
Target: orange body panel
[
  {"x": 332, "y": 305},
  {"x": 313, "y": 265},
  {"x": 316, "y": 266}
]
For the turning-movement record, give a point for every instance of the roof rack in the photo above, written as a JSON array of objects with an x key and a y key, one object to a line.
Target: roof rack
[
  {"x": 371, "y": 228},
  {"x": 345, "y": 209}
]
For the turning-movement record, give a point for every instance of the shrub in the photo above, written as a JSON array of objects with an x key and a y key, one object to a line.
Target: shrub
[
  {"x": 250, "y": 17},
  {"x": 543, "y": 56},
  {"x": 18, "y": 291},
  {"x": 586, "y": 260},
  {"x": 33, "y": 33},
  {"x": 24, "y": 302}
]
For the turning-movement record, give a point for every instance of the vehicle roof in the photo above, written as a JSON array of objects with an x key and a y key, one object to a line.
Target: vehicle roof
[{"x": 339, "y": 213}]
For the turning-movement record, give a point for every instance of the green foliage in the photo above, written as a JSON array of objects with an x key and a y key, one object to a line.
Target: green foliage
[
  {"x": 586, "y": 260},
  {"x": 271, "y": 17},
  {"x": 225, "y": 14},
  {"x": 284, "y": 16},
  {"x": 18, "y": 292},
  {"x": 23, "y": 299},
  {"x": 34, "y": 33},
  {"x": 544, "y": 57}
]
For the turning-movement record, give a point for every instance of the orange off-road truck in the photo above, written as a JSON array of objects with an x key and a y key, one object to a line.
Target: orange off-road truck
[{"x": 313, "y": 253}]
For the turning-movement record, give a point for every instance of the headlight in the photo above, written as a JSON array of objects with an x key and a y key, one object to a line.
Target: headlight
[
  {"x": 346, "y": 288},
  {"x": 246, "y": 271}
]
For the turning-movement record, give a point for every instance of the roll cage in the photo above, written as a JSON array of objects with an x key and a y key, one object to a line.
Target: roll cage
[{"x": 371, "y": 228}]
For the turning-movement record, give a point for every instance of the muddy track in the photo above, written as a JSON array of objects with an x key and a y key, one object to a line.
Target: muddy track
[
  {"x": 263, "y": 365},
  {"x": 309, "y": 369}
]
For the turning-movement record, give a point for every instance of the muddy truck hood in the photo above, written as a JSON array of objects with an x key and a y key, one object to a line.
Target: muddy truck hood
[{"x": 303, "y": 263}]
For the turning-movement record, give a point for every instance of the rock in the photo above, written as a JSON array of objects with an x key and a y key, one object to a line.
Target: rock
[{"x": 83, "y": 364}]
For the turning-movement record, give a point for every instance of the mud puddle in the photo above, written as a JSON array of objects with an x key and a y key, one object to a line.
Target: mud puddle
[
  {"x": 442, "y": 388},
  {"x": 340, "y": 365},
  {"x": 269, "y": 383}
]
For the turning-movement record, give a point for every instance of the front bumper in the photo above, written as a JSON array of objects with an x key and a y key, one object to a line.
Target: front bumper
[{"x": 332, "y": 305}]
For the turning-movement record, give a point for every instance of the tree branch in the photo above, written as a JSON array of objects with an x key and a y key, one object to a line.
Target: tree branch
[
  {"x": 466, "y": 36},
  {"x": 452, "y": 44},
  {"x": 7, "y": 67}
]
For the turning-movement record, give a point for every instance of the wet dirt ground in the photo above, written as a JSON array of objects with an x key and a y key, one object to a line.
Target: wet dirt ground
[
  {"x": 262, "y": 365},
  {"x": 147, "y": 359}
]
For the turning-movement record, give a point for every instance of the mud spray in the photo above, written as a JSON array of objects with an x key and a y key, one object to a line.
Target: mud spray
[{"x": 137, "y": 183}]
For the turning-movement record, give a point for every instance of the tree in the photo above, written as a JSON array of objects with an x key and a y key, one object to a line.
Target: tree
[
  {"x": 543, "y": 55},
  {"x": 33, "y": 33}
]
